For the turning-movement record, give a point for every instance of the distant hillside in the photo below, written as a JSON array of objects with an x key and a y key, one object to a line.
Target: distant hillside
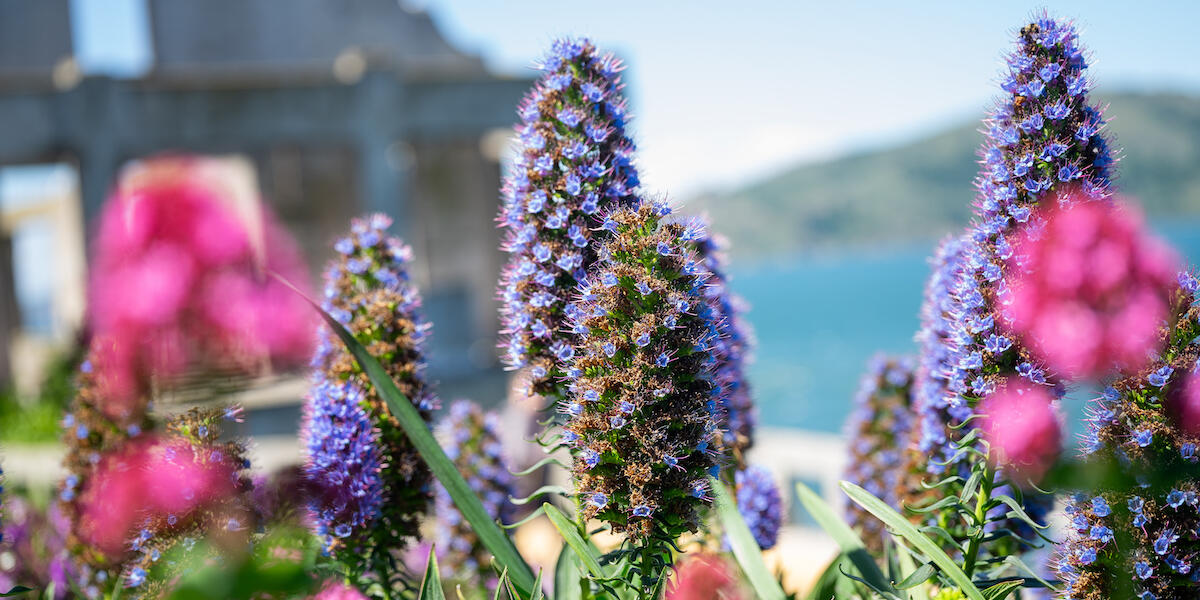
[{"x": 924, "y": 189}]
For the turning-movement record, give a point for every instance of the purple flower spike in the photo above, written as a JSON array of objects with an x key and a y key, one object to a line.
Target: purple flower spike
[
  {"x": 575, "y": 164},
  {"x": 369, "y": 484}
]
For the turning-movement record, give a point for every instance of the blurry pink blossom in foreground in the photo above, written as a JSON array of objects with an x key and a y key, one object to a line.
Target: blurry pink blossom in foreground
[
  {"x": 149, "y": 478},
  {"x": 1022, "y": 429},
  {"x": 703, "y": 577},
  {"x": 181, "y": 277},
  {"x": 336, "y": 590},
  {"x": 1090, "y": 288}
]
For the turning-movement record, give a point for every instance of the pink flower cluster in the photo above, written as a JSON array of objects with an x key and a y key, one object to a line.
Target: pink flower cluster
[
  {"x": 146, "y": 478},
  {"x": 704, "y": 577},
  {"x": 336, "y": 590},
  {"x": 1090, "y": 288},
  {"x": 1022, "y": 428},
  {"x": 180, "y": 279}
]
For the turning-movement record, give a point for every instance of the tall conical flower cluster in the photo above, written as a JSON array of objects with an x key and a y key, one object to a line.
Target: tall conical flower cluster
[
  {"x": 731, "y": 350},
  {"x": 878, "y": 429},
  {"x": 89, "y": 434},
  {"x": 641, "y": 415},
  {"x": 1151, "y": 531},
  {"x": 575, "y": 164},
  {"x": 472, "y": 440},
  {"x": 1042, "y": 137},
  {"x": 370, "y": 485}
]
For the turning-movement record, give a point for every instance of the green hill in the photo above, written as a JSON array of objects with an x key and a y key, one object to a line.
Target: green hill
[{"x": 924, "y": 189}]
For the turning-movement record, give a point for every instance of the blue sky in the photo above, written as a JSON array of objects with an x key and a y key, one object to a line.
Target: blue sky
[{"x": 726, "y": 92}]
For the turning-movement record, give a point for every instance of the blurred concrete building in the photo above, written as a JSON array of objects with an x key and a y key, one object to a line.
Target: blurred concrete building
[{"x": 342, "y": 106}]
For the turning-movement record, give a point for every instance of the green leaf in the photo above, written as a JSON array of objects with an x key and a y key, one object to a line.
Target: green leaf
[
  {"x": 527, "y": 518},
  {"x": 16, "y": 591},
  {"x": 587, "y": 553},
  {"x": 745, "y": 548},
  {"x": 905, "y": 559},
  {"x": 831, "y": 583},
  {"x": 1019, "y": 511},
  {"x": 490, "y": 534},
  {"x": 545, "y": 489},
  {"x": 431, "y": 584},
  {"x": 1021, "y": 567},
  {"x": 549, "y": 460},
  {"x": 852, "y": 546},
  {"x": 501, "y": 585},
  {"x": 917, "y": 577},
  {"x": 567, "y": 575},
  {"x": 119, "y": 588},
  {"x": 900, "y": 525},
  {"x": 538, "y": 594},
  {"x": 1001, "y": 590}
]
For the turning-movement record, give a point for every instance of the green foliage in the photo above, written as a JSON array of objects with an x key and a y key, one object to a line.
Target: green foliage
[
  {"x": 851, "y": 545},
  {"x": 431, "y": 585},
  {"x": 280, "y": 566},
  {"x": 39, "y": 417},
  {"x": 745, "y": 549},
  {"x": 902, "y": 527}
]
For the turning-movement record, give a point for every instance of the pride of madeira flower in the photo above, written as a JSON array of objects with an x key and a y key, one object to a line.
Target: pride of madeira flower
[
  {"x": 575, "y": 163},
  {"x": 370, "y": 484},
  {"x": 641, "y": 414}
]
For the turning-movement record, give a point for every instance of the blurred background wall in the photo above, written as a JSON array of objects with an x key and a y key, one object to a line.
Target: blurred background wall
[{"x": 340, "y": 107}]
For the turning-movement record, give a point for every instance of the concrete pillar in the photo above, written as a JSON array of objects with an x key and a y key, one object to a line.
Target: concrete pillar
[
  {"x": 382, "y": 172},
  {"x": 10, "y": 314}
]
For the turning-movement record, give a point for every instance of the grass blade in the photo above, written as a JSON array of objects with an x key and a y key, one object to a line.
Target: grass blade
[
  {"x": 901, "y": 526},
  {"x": 745, "y": 548},
  {"x": 852, "y": 546},
  {"x": 586, "y": 552},
  {"x": 490, "y": 534},
  {"x": 567, "y": 575}
]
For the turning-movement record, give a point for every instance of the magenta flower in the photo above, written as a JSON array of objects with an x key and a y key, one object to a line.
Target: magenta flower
[
  {"x": 1090, "y": 288},
  {"x": 704, "y": 577},
  {"x": 149, "y": 478},
  {"x": 180, "y": 279},
  {"x": 1022, "y": 427},
  {"x": 336, "y": 590}
]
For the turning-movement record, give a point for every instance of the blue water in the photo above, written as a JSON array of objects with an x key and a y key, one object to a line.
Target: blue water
[{"x": 818, "y": 319}]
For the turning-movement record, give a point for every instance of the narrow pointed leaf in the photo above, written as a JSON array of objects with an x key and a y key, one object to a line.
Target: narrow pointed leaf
[
  {"x": 531, "y": 516},
  {"x": 567, "y": 575},
  {"x": 549, "y": 460},
  {"x": 501, "y": 585},
  {"x": 905, "y": 559},
  {"x": 538, "y": 594},
  {"x": 1029, "y": 573},
  {"x": 1001, "y": 590},
  {"x": 490, "y": 534},
  {"x": 16, "y": 591},
  {"x": 545, "y": 489},
  {"x": 852, "y": 546},
  {"x": 900, "y": 525},
  {"x": 917, "y": 577},
  {"x": 431, "y": 585},
  {"x": 745, "y": 548},
  {"x": 586, "y": 552}
]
